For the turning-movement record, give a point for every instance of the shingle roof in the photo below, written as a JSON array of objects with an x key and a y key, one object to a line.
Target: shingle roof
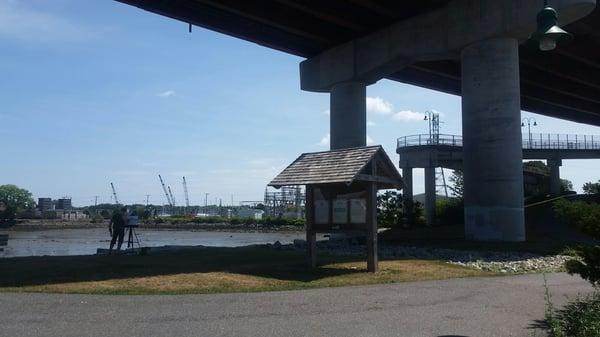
[{"x": 336, "y": 166}]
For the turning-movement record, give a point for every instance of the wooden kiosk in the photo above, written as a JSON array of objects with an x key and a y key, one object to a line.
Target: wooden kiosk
[{"x": 341, "y": 192}]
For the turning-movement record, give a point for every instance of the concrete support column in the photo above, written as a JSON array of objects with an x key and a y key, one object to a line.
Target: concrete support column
[
  {"x": 407, "y": 190},
  {"x": 491, "y": 121},
  {"x": 430, "y": 195},
  {"x": 348, "y": 115},
  {"x": 554, "y": 165}
]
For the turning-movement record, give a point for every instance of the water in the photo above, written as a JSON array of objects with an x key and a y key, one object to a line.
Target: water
[{"x": 86, "y": 241}]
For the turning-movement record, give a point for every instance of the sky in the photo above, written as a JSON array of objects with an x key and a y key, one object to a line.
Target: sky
[{"x": 94, "y": 92}]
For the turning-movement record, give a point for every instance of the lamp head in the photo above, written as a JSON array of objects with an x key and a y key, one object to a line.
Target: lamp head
[{"x": 548, "y": 34}]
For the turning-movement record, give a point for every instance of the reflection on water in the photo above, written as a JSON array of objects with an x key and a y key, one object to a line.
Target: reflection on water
[{"x": 86, "y": 241}]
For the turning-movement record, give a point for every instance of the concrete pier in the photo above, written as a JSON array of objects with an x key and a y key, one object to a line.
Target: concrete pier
[
  {"x": 348, "y": 115},
  {"x": 407, "y": 190},
  {"x": 493, "y": 168},
  {"x": 430, "y": 195},
  {"x": 554, "y": 166}
]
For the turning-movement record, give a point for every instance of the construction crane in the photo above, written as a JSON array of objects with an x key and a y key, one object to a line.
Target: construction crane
[
  {"x": 114, "y": 193},
  {"x": 171, "y": 195},
  {"x": 187, "y": 197},
  {"x": 165, "y": 190}
]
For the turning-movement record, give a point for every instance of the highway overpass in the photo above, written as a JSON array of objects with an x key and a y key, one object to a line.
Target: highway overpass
[{"x": 479, "y": 49}]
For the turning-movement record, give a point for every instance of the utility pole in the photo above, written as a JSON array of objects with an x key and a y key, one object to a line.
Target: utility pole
[
  {"x": 147, "y": 199},
  {"x": 95, "y": 200}
]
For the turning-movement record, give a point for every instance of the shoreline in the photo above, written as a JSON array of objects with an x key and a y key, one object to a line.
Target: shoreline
[{"x": 32, "y": 226}]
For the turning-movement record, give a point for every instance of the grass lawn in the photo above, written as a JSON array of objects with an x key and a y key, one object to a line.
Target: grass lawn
[{"x": 210, "y": 270}]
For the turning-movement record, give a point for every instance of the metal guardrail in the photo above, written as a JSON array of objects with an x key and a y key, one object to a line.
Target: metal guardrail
[
  {"x": 426, "y": 139},
  {"x": 534, "y": 141}
]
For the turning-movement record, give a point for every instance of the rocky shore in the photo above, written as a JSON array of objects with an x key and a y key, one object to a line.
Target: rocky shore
[{"x": 499, "y": 262}]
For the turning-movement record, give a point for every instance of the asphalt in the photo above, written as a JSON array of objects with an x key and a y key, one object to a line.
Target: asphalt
[{"x": 497, "y": 306}]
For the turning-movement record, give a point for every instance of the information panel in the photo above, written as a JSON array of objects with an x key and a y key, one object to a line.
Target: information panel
[
  {"x": 358, "y": 211},
  {"x": 340, "y": 211}
]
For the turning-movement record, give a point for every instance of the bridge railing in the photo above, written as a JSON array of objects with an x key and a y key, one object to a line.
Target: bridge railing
[
  {"x": 534, "y": 141},
  {"x": 543, "y": 141},
  {"x": 425, "y": 139}
]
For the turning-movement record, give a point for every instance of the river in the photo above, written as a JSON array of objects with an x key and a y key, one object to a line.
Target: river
[{"x": 85, "y": 241}]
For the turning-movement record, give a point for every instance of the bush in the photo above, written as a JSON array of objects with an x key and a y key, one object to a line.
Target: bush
[
  {"x": 579, "y": 318},
  {"x": 585, "y": 217},
  {"x": 582, "y": 215},
  {"x": 451, "y": 211}
]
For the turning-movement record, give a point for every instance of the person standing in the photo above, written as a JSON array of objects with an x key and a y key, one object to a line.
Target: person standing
[{"x": 116, "y": 227}]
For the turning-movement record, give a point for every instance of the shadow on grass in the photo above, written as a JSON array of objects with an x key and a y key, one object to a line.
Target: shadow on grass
[{"x": 256, "y": 261}]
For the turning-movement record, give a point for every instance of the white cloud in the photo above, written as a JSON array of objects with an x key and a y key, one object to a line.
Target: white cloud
[
  {"x": 407, "y": 115},
  {"x": 166, "y": 94},
  {"x": 378, "y": 105},
  {"x": 19, "y": 22},
  {"x": 370, "y": 141},
  {"x": 326, "y": 112},
  {"x": 371, "y": 123},
  {"x": 325, "y": 140}
]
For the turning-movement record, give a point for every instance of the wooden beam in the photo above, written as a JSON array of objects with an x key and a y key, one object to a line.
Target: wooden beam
[
  {"x": 375, "y": 179},
  {"x": 311, "y": 235}
]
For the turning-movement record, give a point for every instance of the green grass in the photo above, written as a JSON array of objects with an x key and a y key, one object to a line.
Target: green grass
[{"x": 210, "y": 270}]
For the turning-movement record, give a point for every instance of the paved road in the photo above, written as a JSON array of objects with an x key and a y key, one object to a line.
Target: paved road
[{"x": 501, "y": 306}]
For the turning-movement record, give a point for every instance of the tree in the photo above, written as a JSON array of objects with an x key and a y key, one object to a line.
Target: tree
[
  {"x": 537, "y": 165},
  {"x": 565, "y": 185},
  {"x": 458, "y": 183},
  {"x": 591, "y": 188},
  {"x": 389, "y": 209},
  {"x": 14, "y": 200}
]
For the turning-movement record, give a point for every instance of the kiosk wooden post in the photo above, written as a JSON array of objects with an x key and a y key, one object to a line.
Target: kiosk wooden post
[
  {"x": 372, "y": 258},
  {"x": 311, "y": 235}
]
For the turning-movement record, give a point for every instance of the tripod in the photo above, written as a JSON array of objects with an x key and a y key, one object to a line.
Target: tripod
[{"x": 132, "y": 237}]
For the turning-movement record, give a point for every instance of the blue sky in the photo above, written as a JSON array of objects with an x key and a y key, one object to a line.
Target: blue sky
[{"x": 94, "y": 92}]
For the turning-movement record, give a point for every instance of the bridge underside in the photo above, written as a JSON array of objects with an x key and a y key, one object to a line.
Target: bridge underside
[{"x": 564, "y": 83}]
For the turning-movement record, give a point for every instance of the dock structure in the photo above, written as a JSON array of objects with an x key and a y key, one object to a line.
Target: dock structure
[{"x": 446, "y": 151}]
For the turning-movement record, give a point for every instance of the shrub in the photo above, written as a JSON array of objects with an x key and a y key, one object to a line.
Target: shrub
[
  {"x": 585, "y": 217},
  {"x": 579, "y": 318}
]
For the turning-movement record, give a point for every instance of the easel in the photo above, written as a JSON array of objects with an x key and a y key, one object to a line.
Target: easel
[{"x": 132, "y": 237}]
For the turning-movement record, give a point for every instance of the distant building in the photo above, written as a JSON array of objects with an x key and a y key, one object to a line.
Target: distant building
[
  {"x": 45, "y": 204},
  {"x": 64, "y": 204},
  {"x": 244, "y": 212}
]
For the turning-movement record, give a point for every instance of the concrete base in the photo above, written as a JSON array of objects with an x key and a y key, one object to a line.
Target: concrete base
[{"x": 492, "y": 149}]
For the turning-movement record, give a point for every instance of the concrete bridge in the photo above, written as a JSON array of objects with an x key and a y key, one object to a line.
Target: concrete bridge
[
  {"x": 446, "y": 151},
  {"x": 478, "y": 49}
]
